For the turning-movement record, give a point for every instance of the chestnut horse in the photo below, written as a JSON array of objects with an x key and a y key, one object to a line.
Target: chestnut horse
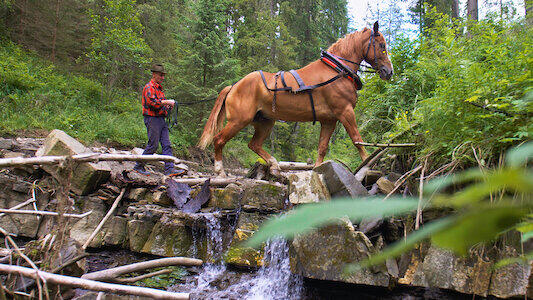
[{"x": 249, "y": 101}]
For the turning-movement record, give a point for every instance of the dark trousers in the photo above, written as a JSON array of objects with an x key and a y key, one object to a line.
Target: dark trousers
[{"x": 157, "y": 130}]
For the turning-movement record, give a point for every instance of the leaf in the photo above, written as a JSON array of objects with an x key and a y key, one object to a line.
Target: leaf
[
  {"x": 526, "y": 236},
  {"x": 312, "y": 216},
  {"x": 443, "y": 182},
  {"x": 519, "y": 155},
  {"x": 402, "y": 246},
  {"x": 472, "y": 99},
  {"x": 477, "y": 226}
]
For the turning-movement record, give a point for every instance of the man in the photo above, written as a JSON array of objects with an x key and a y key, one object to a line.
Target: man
[{"x": 155, "y": 108}]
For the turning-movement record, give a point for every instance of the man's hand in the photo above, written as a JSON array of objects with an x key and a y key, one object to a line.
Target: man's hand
[{"x": 168, "y": 102}]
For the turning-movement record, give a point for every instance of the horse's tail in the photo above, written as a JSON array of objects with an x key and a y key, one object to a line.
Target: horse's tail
[{"x": 215, "y": 120}]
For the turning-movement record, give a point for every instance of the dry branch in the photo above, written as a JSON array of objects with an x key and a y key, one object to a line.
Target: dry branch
[
  {"x": 109, "y": 213},
  {"x": 29, "y": 201},
  {"x": 141, "y": 277},
  {"x": 113, "y": 273},
  {"x": 43, "y": 213},
  {"x": 93, "y": 285},
  {"x": 402, "y": 179},
  {"x": 85, "y": 157}
]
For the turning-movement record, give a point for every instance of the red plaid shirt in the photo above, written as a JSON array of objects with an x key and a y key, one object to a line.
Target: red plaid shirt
[{"x": 151, "y": 100}]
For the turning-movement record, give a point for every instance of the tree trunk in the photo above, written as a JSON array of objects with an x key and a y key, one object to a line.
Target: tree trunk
[
  {"x": 455, "y": 9},
  {"x": 472, "y": 11}
]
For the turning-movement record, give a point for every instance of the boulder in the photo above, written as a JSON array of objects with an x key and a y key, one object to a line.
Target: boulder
[
  {"x": 226, "y": 198},
  {"x": 442, "y": 269},
  {"x": 340, "y": 181},
  {"x": 159, "y": 196},
  {"x": 264, "y": 196},
  {"x": 137, "y": 194},
  {"x": 307, "y": 187},
  {"x": 323, "y": 254},
  {"x": 113, "y": 233},
  {"x": 172, "y": 236},
  {"x": 372, "y": 176},
  {"x": 86, "y": 176},
  {"x": 6, "y": 144}
]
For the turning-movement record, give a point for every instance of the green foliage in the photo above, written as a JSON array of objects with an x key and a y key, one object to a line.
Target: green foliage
[
  {"x": 477, "y": 218},
  {"x": 36, "y": 95},
  {"x": 118, "y": 52},
  {"x": 165, "y": 280},
  {"x": 439, "y": 79}
]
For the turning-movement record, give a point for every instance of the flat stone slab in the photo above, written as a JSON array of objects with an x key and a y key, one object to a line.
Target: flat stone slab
[
  {"x": 340, "y": 181},
  {"x": 87, "y": 176}
]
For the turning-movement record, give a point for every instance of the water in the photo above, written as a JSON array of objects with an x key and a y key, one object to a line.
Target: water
[{"x": 214, "y": 281}]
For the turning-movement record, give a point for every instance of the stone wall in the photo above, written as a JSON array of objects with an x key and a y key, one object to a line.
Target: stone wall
[{"x": 147, "y": 222}]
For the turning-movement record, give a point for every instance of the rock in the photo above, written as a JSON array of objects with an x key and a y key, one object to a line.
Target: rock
[
  {"x": 323, "y": 254},
  {"x": 159, "y": 196},
  {"x": 10, "y": 154},
  {"x": 442, "y": 269},
  {"x": 227, "y": 198},
  {"x": 172, "y": 237},
  {"x": 307, "y": 187},
  {"x": 86, "y": 176},
  {"x": 372, "y": 177},
  {"x": 6, "y": 144},
  {"x": 194, "y": 204},
  {"x": 137, "y": 194},
  {"x": 264, "y": 196},
  {"x": 369, "y": 225},
  {"x": 241, "y": 256},
  {"x": 83, "y": 228},
  {"x": 138, "y": 232},
  {"x": 373, "y": 190},
  {"x": 14, "y": 191},
  {"x": 113, "y": 233},
  {"x": 178, "y": 192},
  {"x": 511, "y": 280},
  {"x": 385, "y": 185},
  {"x": 340, "y": 182}
]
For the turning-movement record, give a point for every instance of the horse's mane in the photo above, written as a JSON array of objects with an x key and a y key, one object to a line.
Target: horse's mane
[{"x": 347, "y": 44}]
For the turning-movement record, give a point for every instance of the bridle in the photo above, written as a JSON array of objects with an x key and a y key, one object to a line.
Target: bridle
[{"x": 368, "y": 68}]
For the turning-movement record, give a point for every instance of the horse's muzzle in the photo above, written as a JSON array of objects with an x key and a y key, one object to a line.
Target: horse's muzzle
[{"x": 385, "y": 73}]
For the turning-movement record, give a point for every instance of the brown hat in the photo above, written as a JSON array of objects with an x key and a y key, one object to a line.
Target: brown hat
[{"x": 158, "y": 68}]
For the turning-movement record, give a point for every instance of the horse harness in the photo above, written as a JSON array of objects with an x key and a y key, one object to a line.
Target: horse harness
[{"x": 332, "y": 61}]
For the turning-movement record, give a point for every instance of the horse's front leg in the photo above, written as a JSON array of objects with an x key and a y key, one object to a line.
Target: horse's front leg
[
  {"x": 347, "y": 118},
  {"x": 326, "y": 130},
  {"x": 262, "y": 131}
]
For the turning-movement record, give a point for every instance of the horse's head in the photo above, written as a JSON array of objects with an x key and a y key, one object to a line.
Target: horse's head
[{"x": 375, "y": 53}]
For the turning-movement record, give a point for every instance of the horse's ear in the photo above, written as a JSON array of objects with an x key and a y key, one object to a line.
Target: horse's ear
[{"x": 376, "y": 28}]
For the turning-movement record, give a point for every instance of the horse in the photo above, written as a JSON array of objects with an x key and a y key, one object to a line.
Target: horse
[{"x": 252, "y": 100}]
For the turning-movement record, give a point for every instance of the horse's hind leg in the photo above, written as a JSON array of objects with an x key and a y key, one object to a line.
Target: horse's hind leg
[
  {"x": 220, "y": 140},
  {"x": 347, "y": 118},
  {"x": 326, "y": 130},
  {"x": 262, "y": 131}
]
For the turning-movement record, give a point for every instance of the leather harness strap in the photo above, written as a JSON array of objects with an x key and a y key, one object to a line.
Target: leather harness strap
[{"x": 330, "y": 60}]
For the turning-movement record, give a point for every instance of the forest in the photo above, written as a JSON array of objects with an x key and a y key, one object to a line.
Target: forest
[
  {"x": 460, "y": 83},
  {"x": 461, "y": 97}
]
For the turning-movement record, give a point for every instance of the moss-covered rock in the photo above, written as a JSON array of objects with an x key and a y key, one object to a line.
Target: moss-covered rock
[
  {"x": 241, "y": 256},
  {"x": 264, "y": 196},
  {"x": 307, "y": 187},
  {"x": 226, "y": 198},
  {"x": 323, "y": 253}
]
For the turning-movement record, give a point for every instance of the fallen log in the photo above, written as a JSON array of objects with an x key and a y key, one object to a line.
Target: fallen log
[
  {"x": 85, "y": 157},
  {"x": 290, "y": 165},
  {"x": 43, "y": 213},
  {"x": 91, "y": 284},
  {"x": 113, "y": 273}
]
